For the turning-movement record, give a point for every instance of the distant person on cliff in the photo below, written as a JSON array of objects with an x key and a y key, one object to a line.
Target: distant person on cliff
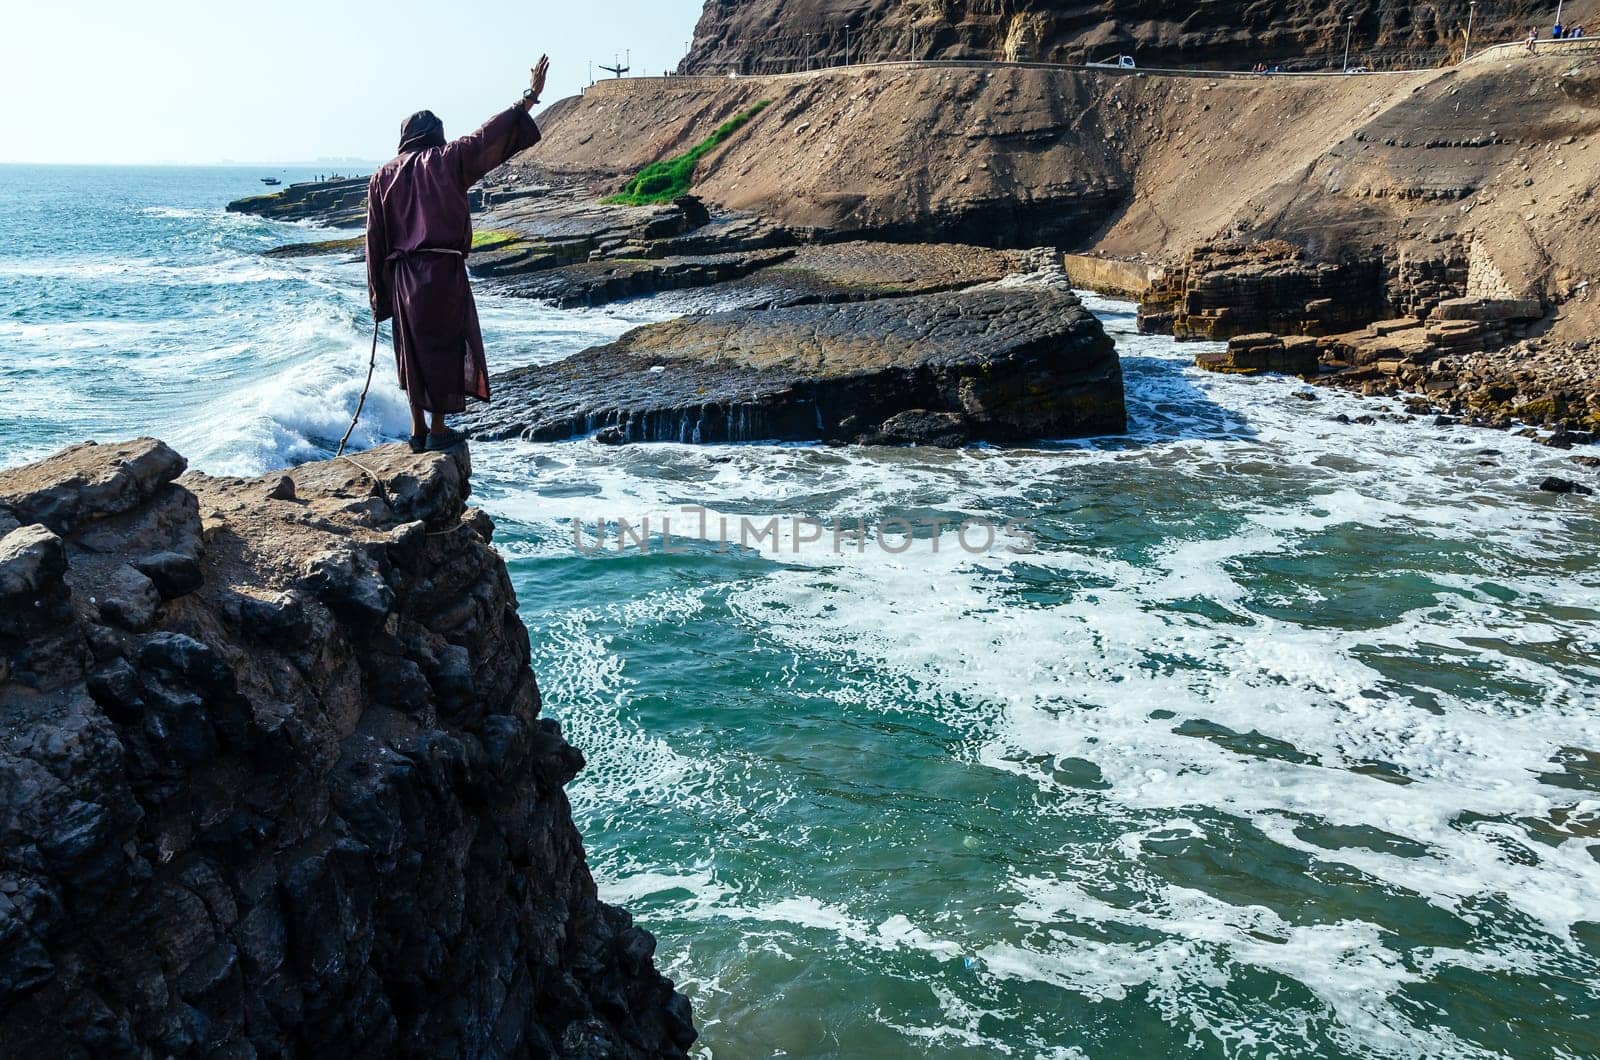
[
  {"x": 419, "y": 233},
  {"x": 1533, "y": 40}
]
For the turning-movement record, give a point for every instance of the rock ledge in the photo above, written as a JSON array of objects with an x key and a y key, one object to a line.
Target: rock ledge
[{"x": 273, "y": 779}]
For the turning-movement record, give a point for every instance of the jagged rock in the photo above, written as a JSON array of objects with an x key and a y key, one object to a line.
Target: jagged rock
[
  {"x": 695, "y": 214},
  {"x": 1015, "y": 361},
  {"x": 128, "y": 599},
  {"x": 946, "y": 430},
  {"x": 33, "y": 588},
  {"x": 172, "y": 573},
  {"x": 1553, "y": 484},
  {"x": 89, "y": 481},
  {"x": 305, "y": 807},
  {"x": 1538, "y": 383}
]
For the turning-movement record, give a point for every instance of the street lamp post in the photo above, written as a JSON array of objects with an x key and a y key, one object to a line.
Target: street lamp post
[
  {"x": 1349, "y": 26},
  {"x": 1466, "y": 52}
]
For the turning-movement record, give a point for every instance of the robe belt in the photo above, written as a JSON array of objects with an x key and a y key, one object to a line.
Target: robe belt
[{"x": 396, "y": 255}]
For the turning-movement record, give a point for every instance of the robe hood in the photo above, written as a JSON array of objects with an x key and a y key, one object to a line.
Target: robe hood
[{"x": 421, "y": 130}]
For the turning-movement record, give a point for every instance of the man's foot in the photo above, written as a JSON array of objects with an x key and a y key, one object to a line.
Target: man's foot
[
  {"x": 438, "y": 442},
  {"x": 419, "y": 443}
]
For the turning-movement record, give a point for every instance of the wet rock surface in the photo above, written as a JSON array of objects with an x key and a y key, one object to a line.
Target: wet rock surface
[
  {"x": 595, "y": 283},
  {"x": 352, "y": 245},
  {"x": 860, "y": 270},
  {"x": 329, "y": 202},
  {"x": 1012, "y": 361},
  {"x": 275, "y": 779},
  {"x": 1533, "y": 381},
  {"x": 1256, "y": 354}
]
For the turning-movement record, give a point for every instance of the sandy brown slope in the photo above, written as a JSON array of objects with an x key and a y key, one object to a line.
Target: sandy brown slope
[{"x": 1498, "y": 154}]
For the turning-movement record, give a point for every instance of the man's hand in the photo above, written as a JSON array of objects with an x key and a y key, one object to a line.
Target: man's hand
[{"x": 536, "y": 83}]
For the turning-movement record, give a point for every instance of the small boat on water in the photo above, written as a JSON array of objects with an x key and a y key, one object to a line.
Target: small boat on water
[{"x": 271, "y": 181}]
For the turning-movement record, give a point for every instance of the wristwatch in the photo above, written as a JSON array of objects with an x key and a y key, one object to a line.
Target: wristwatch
[{"x": 528, "y": 95}]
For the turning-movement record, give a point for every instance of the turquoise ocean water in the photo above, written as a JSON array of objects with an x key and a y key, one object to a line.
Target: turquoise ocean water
[{"x": 1283, "y": 740}]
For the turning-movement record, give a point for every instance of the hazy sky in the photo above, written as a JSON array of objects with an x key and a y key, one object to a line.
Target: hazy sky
[{"x": 293, "y": 80}]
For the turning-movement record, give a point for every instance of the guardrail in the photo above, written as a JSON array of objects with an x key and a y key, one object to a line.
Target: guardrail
[
  {"x": 1505, "y": 51},
  {"x": 997, "y": 64},
  {"x": 1518, "y": 49}
]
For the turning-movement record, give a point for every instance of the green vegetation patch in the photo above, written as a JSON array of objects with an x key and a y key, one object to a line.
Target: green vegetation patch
[
  {"x": 665, "y": 181},
  {"x": 493, "y": 238}
]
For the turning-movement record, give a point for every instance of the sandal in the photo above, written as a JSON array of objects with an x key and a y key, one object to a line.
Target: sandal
[
  {"x": 419, "y": 443},
  {"x": 438, "y": 443}
]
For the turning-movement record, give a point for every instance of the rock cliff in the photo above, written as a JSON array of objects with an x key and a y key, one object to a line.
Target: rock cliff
[
  {"x": 273, "y": 779},
  {"x": 779, "y": 36}
]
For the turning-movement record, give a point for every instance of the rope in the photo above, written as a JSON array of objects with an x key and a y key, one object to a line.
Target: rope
[{"x": 372, "y": 363}]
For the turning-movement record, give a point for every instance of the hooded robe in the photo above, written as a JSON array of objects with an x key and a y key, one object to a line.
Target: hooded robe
[{"x": 419, "y": 233}]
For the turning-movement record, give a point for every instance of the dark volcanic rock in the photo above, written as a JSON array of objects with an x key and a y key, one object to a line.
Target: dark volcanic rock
[
  {"x": 331, "y": 202},
  {"x": 946, "y": 430},
  {"x": 769, "y": 278},
  {"x": 859, "y": 270},
  {"x": 1015, "y": 361},
  {"x": 356, "y": 245},
  {"x": 276, "y": 784},
  {"x": 1552, "y": 484},
  {"x": 598, "y": 282}
]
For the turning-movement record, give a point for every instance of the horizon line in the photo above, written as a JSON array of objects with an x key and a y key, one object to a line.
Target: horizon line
[{"x": 217, "y": 164}]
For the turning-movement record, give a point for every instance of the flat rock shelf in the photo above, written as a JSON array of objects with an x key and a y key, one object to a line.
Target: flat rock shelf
[{"x": 1012, "y": 361}]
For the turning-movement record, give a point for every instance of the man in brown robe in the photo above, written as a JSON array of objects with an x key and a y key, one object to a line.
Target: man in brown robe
[{"x": 418, "y": 236}]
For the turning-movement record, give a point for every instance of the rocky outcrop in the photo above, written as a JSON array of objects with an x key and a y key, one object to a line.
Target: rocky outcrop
[
  {"x": 780, "y": 36},
  {"x": 352, "y": 245},
  {"x": 330, "y": 202},
  {"x": 1006, "y": 362},
  {"x": 1224, "y": 290},
  {"x": 273, "y": 779},
  {"x": 1451, "y": 369},
  {"x": 1264, "y": 353}
]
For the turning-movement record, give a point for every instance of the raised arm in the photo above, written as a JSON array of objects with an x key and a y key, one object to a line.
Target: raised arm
[
  {"x": 378, "y": 292},
  {"x": 502, "y": 136}
]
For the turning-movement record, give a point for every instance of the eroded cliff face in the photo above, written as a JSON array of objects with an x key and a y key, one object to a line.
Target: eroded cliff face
[
  {"x": 777, "y": 36},
  {"x": 1489, "y": 164},
  {"x": 273, "y": 780}
]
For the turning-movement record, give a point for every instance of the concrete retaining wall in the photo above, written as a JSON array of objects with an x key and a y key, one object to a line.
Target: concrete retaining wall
[{"x": 1126, "y": 279}]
